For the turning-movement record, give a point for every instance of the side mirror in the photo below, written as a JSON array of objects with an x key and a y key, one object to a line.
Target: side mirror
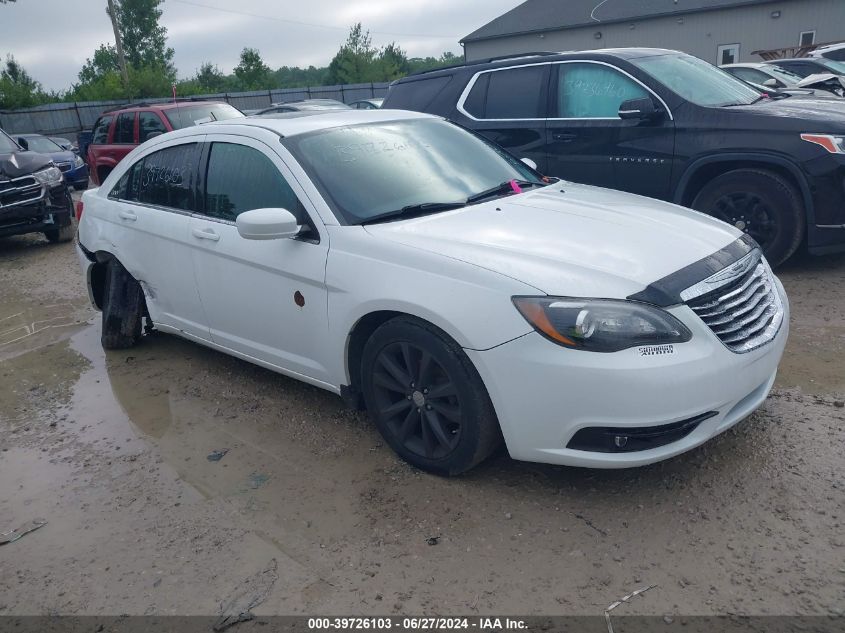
[
  {"x": 642, "y": 109},
  {"x": 267, "y": 224},
  {"x": 23, "y": 143},
  {"x": 530, "y": 163},
  {"x": 771, "y": 83}
]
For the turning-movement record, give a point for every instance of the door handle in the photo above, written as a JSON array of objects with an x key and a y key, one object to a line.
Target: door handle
[
  {"x": 205, "y": 234},
  {"x": 127, "y": 215},
  {"x": 566, "y": 137}
]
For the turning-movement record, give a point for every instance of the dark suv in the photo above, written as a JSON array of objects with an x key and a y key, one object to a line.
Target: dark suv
[
  {"x": 119, "y": 131},
  {"x": 662, "y": 124},
  {"x": 33, "y": 195}
]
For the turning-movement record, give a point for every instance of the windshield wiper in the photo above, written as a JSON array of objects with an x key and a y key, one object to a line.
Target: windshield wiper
[
  {"x": 414, "y": 210},
  {"x": 501, "y": 189}
]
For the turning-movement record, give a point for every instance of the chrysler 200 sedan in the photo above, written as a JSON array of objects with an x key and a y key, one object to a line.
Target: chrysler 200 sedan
[{"x": 420, "y": 271}]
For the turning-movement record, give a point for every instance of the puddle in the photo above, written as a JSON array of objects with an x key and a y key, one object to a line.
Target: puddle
[{"x": 25, "y": 327}]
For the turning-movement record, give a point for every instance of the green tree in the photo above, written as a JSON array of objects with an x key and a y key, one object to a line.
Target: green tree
[
  {"x": 102, "y": 63},
  {"x": 210, "y": 79},
  {"x": 252, "y": 73},
  {"x": 17, "y": 88},
  {"x": 354, "y": 62},
  {"x": 392, "y": 63},
  {"x": 144, "y": 39}
]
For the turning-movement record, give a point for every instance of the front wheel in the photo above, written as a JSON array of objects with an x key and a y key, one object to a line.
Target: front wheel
[
  {"x": 60, "y": 234},
  {"x": 426, "y": 398},
  {"x": 760, "y": 203}
]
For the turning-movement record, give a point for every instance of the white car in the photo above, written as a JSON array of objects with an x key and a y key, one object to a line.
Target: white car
[{"x": 413, "y": 267}]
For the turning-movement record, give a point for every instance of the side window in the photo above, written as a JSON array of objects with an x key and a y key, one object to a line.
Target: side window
[
  {"x": 129, "y": 184},
  {"x": 148, "y": 125},
  {"x": 124, "y": 130},
  {"x": 593, "y": 91},
  {"x": 517, "y": 93},
  {"x": 166, "y": 178},
  {"x": 240, "y": 178},
  {"x": 101, "y": 131},
  {"x": 476, "y": 98}
]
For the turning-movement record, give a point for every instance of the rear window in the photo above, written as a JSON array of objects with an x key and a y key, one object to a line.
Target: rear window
[
  {"x": 186, "y": 116},
  {"x": 416, "y": 95},
  {"x": 516, "y": 93}
]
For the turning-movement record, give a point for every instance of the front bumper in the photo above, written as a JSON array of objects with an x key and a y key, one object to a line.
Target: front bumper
[
  {"x": 77, "y": 176},
  {"x": 544, "y": 394},
  {"x": 45, "y": 210}
]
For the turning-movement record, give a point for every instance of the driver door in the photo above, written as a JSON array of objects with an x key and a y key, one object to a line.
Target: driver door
[{"x": 589, "y": 143}]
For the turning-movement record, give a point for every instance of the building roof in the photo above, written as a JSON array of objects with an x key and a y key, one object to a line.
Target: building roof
[{"x": 535, "y": 16}]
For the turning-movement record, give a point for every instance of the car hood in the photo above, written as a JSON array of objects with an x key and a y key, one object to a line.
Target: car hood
[
  {"x": 65, "y": 156},
  {"x": 827, "y": 111},
  {"x": 568, "y": 239},
  {"x": 15, "y": 164}
]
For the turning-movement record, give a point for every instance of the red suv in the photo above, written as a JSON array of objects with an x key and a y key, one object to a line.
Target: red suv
[{"x": 118, "y": 132}]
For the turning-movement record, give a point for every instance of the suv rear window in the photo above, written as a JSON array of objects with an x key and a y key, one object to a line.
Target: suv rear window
[
  {"x": 416, "y": 95},
  {"x": 186, "y": 116}
]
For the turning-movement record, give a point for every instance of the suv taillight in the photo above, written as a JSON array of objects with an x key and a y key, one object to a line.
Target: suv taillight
[{"x": 79, "y": 207}]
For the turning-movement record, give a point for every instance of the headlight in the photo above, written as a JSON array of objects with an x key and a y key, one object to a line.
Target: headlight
[
  {"x": 78, "y": 162},
  {"x": 600, "y": 325},
  {"x": 49, "y": 176},
  {"x": 832, "y": 143}
]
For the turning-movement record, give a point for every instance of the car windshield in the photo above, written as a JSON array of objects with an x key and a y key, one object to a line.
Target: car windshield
[
  {"x": 365, "y": 171},
  {"x": 833, "y": 65},
  {"x": 42, "y": 144},
  {"x": 786, "y": 76},
  {"x": 7, "y": 145},
  {"x": 185, "y": 116},
  {"x": 697, "y": 81}
]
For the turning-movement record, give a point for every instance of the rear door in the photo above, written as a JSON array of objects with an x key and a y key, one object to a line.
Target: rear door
[
  {"x": 589, "y": 143},
  {"x": 509, "y": 106},
  {"x": 266, "y": 299},
  {"x": 154, "y": 202}
]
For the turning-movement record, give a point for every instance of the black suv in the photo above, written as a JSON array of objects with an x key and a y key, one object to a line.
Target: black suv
[
  {"x": 33, "y": 195},
  {"x": 662, "y": 124}
]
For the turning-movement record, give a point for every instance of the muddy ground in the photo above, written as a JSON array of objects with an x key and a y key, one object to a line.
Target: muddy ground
[{"x": 111, "y": 449}]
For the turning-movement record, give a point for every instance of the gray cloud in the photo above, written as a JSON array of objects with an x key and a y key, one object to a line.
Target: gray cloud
[{"x": 52, "y": 38}]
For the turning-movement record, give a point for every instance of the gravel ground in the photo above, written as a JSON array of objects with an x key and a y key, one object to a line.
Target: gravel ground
[{"x": 310, "y": 506}]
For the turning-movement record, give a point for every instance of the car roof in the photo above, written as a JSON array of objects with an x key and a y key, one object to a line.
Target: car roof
[
  {"x": 815, "y": 60},
  {"x": 535, "y": 58},
  {"x": 29, "y": 135},
  {"x": 743, "y": 65},
  {"x": 166, "y": 105},
  {"x": 295, "y": 123}
]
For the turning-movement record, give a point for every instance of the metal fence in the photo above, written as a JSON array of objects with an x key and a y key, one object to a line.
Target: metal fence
[{"x": 67, "y": 119}]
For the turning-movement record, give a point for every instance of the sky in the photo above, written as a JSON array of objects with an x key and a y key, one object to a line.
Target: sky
[{"x": 53, "y": 38}]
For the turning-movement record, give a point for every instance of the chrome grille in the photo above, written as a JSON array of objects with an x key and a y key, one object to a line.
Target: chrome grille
[
  {"x": 740, "y": 304},
  {"x": 20, "y": 191}
]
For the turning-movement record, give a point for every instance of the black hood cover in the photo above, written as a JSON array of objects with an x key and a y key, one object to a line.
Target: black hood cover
[{"x": 16, "y": 164}]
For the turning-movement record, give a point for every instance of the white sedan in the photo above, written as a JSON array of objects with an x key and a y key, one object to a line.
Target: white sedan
[{"x": 414, "y": 268}]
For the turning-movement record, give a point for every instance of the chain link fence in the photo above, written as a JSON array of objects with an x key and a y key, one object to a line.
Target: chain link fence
[{"x": 66, "y": 119}]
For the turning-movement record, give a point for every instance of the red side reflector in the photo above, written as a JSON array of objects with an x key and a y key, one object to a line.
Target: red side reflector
[
  {"x": 79, "y": 207},
  {"x": 822, "y": 139}
]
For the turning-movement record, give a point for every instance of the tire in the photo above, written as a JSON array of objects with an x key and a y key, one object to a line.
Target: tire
[
  {"x": 123, "y": 308},
  {"x": 760, "y": 203},
  {"x": 447, "y": 433},
  {"x": 60, "y": 234}
]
